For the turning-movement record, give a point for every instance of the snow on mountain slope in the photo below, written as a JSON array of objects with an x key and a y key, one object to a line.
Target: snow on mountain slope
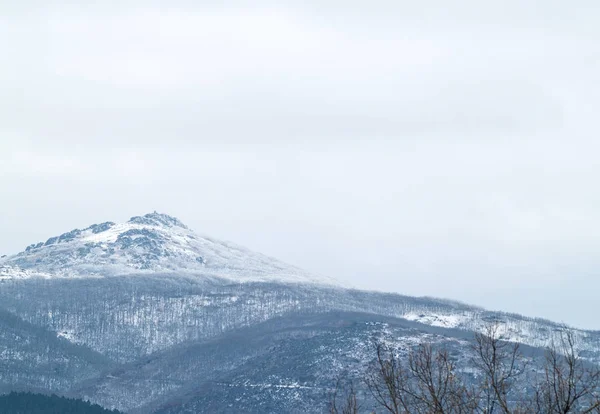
[
  {"x": 511, "y": 327},
  {"x": 181, "y": 332},
  {"x": 147, "y": 244},
  {"x": 158, "y": 245}
]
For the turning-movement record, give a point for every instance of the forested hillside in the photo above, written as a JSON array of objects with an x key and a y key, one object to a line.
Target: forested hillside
[
  {"x": 149, "y": 317},
  {"x": 28, "y": 403}
]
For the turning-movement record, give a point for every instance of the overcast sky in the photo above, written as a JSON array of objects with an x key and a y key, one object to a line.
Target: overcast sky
[{"x": 441, "y": 148}]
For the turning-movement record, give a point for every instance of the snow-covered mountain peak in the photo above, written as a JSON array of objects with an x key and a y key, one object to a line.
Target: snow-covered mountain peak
[
  {"x": 153, "y": 243},
  {"x": 157, "y": 219}
]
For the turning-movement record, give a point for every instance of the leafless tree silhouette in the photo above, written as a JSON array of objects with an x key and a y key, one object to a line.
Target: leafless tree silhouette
[
  {"x": 349, "y": 401},
  {"x": 426, "y": 380},
  {"x": 500, "y": 363},
  {"x": 569, "y": 384}
]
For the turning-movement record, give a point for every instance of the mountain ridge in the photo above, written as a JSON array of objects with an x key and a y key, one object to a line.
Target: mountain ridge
[
  {"x": 145, "y": 244},
  {"x": 184, "y": 335}
]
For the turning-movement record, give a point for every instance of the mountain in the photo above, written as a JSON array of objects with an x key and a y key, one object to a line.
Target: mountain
[
  {"x": 146, "y": 245},
  {"x": 147, "y": 316}
]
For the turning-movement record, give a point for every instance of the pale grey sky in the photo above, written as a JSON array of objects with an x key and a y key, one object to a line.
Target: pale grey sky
[{"x": 434, "y": 148}]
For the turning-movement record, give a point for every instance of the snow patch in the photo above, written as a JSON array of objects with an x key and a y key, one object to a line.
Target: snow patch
[{"x": 436, "y": 319}]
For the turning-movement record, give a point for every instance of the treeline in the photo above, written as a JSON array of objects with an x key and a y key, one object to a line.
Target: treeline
[
  {"x": 502, "y": 380},
  {"x": 29, "y": 403}
]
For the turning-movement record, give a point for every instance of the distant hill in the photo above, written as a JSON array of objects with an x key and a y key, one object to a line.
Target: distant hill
[
  {"x": 28, "y": 403},
  {"x": 148, "y": 317}
]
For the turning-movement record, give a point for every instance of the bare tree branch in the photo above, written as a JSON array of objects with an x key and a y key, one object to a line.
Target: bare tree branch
[
  {"x": 568, "y": 384},
  {"x": 349, "y": 403}
]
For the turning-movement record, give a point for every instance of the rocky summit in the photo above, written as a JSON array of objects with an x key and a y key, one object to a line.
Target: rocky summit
[{"x": 146, "y": 244}]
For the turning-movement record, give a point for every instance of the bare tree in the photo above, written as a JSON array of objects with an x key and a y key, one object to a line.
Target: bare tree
[
  {"x": 500, "y": 362},
  {"x": 569, "y": 384},
  {"x": 349, "y": 401},
  {"x": 437, "y": 388},
  {"x": 426, "y": 382},
  {"x": 387, "y": 380}
]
